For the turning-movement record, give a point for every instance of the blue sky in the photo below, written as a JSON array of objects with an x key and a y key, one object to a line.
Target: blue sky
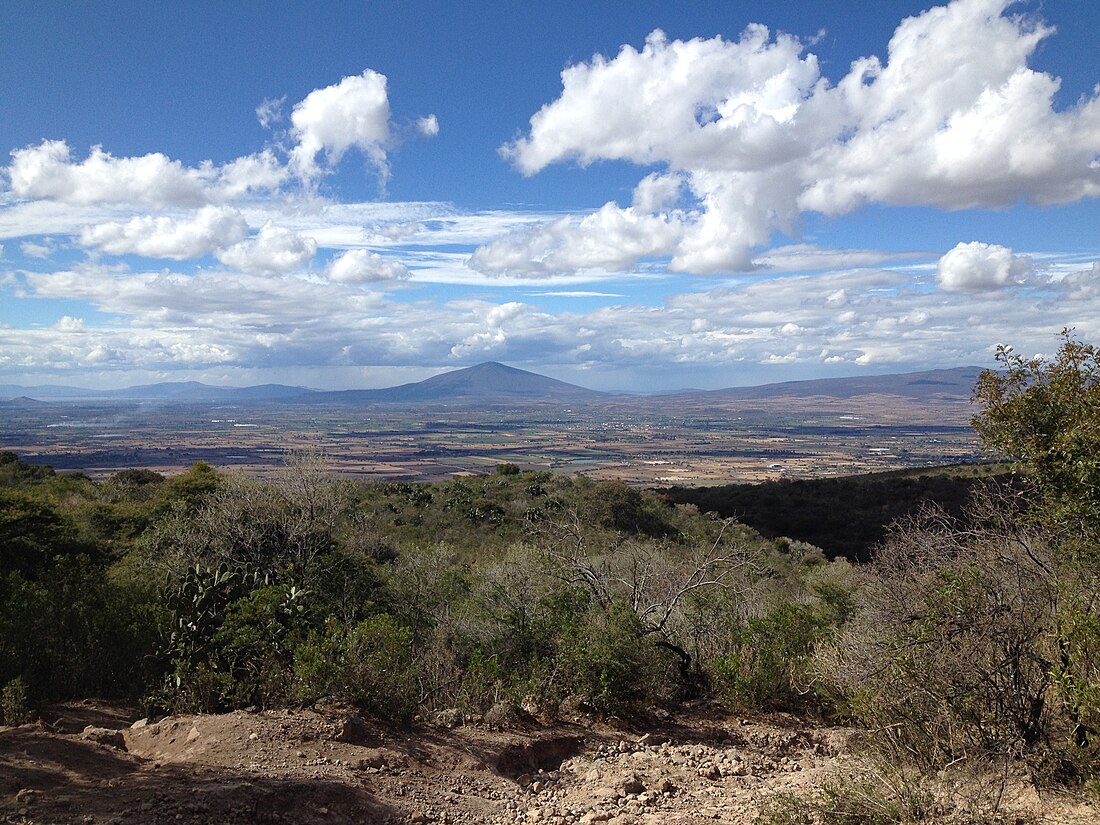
[{"x": 626, "y": 195}]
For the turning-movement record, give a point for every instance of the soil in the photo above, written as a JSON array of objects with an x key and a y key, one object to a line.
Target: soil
[{"x": 93, "y": 762}]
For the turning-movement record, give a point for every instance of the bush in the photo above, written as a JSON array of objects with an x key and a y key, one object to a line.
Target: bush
[
  {"x": 382, "y": 672},
  {"x": 950, "y": 655},
  {"x": 769, "y": 665},
  {"x": 15, "y": 703},
  {"x": 605, "y": 659}
]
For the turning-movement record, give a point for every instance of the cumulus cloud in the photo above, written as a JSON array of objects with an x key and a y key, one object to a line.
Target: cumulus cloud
[
  {"x": 49, "y": 172},
  {"x": 352, "y": 113},
  {"x": 611, "y": 239},
  {"x": 211, "y": 228},
  {"x": 953, "y": 118},
  {"x": 274, "y": 250},
  {"x": 1084, "y": 283},
  {"x": 979, "y": 267},
  {"x": 67, "y": 323},
  {"x": 360, "y": 266},
  {"x": 655, "y": 192}
]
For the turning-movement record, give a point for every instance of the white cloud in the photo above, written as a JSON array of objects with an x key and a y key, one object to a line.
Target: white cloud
[
  {"x": 655, "y": 192},
  {"x": 1084, "y": 283},
  {"x": 211, "y": 228},
  {"x": 358, "y": 266},
  {"x": 261, "y": 172},
  {"x": 48, "y": 172},
  {"x": 954, "y": 118},
  {"x": 611, "y": 239},
  {"x": 270, "y": 111},
  {"x": 35, "y": 250},
  {"x": 67, "y": 323},
  {"x": 275, "y": 249},
  {"x": 883, "y": 319},
  {"x": 803, "y": 257},
  {"x": 428, "y": 126},
  {"x": 979, "y": 267},
  {"x": 352, "y": 113}
]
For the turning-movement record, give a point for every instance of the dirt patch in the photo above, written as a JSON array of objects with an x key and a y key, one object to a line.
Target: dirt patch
[
  {"x": 338, "y": 767},
  {"x": 538, "y": 755}
]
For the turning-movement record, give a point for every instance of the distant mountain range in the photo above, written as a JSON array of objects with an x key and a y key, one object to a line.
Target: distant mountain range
[
  {"x": 950, "y": 383},
  {"x": 496, "y": 383},
  {"x": 165, "y": 391}
]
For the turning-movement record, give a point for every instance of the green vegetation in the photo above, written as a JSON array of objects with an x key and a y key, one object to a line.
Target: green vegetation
[
  {"x": 847, "y": 516},
  {"x": 213, "y": 591},
  {"x": 970, "y": 638}
]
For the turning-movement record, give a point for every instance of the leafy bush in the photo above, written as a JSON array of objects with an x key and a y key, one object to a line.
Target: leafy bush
[
  {"x": 381, "y": 668},
  {"x": 604, "y": 659},
  {"x": 770, "y": 660}
]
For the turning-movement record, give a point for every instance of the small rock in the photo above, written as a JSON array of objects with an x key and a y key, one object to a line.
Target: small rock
[
  {"x": 139, "y": 724},
  {"x": 632, "y": 785},
  {"x": 710, "y": 772},
  {"x": 374, "y": 760},
  {"x": 104, "y": 736},
  {"x": 351, "y": 729},
  {"x": 27, "y": 796},
  {"x": 193, "y": 734}
]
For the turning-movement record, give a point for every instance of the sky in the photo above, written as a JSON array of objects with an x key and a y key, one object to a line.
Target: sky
[{"x": 631, "y": 196}]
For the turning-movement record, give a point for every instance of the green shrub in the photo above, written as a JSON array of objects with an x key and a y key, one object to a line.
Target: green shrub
[
  {"x": 15, "y": 703},
  {"x": 606, "y": 659},
  {"x": 382, "y": 671},
  {"x": 770, "y": 660}
]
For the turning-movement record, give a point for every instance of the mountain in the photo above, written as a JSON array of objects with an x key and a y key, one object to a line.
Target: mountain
[
  {"x": 166, "y": 391},
  {"x": 948, "y": 384},
  {"x": 489, "y": 383},
  {"x": 494, "y": 383}
]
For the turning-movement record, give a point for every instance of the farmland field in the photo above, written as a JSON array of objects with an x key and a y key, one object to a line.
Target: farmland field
[{"x": 644, "y": 441}]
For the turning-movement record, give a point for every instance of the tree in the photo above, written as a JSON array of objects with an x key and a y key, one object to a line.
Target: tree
[{"x": 1045, "y": 414}]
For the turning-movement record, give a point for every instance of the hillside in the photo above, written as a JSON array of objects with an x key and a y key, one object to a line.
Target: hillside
[
  {"x": 957, "y": 383},
  {"x": 846, "y": 516}
]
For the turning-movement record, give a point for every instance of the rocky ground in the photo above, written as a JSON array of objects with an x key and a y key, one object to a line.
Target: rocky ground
[{"x": 92, "y": 763}]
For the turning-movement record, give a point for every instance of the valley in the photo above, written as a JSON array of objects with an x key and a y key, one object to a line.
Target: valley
[{"x": 644, "y": 441}]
